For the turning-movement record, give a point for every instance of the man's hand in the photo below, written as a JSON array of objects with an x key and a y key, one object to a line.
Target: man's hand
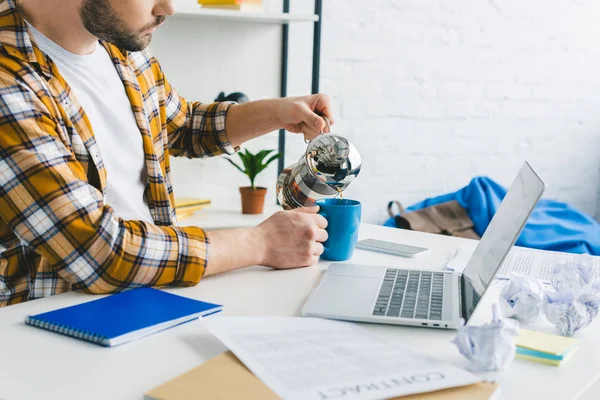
[
  {"x": 302, "y": 114},
  {"x": 288, "y": 239},
  {"x": 292, "y": 238},
  {"x": 295, "y": 114}
]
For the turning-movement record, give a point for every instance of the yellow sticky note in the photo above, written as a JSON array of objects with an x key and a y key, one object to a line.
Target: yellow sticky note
[
  {"x": 546, "y": 342},
  {"x": 541, "y": 360}
]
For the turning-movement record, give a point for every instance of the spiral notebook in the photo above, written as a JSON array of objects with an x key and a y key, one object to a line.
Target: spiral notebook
[{"x": 120, "y": 318}]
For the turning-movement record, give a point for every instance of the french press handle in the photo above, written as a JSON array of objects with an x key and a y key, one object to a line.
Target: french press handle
[{"x": 326, "y": 123}]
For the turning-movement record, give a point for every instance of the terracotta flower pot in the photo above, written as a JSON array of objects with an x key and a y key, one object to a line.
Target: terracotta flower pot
[{"x": 253, "y": 200}]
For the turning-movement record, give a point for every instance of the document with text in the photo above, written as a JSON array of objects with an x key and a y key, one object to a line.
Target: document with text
[
  {"x": 524, "y": 261},
  {"x": 312, "y": 358},
  {"x": 539, "y": 263}
]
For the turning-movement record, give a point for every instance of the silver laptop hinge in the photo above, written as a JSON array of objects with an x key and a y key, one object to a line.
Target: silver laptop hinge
[{"x": 460, "y": 305}]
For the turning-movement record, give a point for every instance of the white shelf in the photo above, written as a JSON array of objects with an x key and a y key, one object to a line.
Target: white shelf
[{"x": 243, "y": 16}]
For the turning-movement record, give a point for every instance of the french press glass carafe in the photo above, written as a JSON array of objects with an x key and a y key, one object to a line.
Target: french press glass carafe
[{"x": 327, "y": 167}]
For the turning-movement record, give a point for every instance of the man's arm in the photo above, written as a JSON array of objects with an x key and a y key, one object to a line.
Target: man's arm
[
  {"x": 295, "y": 114},
  {"x": 206, "y": 130},
  {"x": 47, "y": 202},
  {"x": 288, "y": 239},
  {"x": 194, "y": 130}
]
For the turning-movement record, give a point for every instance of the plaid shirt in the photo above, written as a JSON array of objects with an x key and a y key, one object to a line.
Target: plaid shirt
[{"x": 56, "y": 233}]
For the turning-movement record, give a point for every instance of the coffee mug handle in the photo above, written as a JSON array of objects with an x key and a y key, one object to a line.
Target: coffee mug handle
[{"x": 324, "y": 216}]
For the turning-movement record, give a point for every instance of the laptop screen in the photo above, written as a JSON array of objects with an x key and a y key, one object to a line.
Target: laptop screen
[{"x": 499, "y": 237}]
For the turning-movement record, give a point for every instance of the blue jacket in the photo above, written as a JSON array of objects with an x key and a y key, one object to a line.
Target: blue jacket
[{"x": 551, "y": 226}]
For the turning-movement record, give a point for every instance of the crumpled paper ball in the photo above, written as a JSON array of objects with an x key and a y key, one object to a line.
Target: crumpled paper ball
[
  {"x": 566, "y": 312},
  {"x": 591, "y": 299},
  {"x": 574, "y": 301},
  {"x": 489, "y": 347},
  {"x": 573, "y": 276},
  {"x": 521, "y": 298}
]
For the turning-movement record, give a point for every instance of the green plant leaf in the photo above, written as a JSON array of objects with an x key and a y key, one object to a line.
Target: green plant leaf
[
  {"x": 247, "y": 160},
  {"x": 261, "y": 167},
  {"x": 253, "y": 163},
  {"x": 273, "y": 158},
  {"x": 261, "y": 155},
  {"x": 237, "y": 166}
]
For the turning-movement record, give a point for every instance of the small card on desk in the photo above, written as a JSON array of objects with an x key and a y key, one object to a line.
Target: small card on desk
[
  {"x": 225, "y": 377},
  {"x": 123, "y": 317}
]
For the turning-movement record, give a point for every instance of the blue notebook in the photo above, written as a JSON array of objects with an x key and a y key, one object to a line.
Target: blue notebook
[{"x": 123, "y": 317}]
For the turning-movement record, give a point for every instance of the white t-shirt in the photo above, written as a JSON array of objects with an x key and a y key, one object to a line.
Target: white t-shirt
[{"x": 100, "y": 91}]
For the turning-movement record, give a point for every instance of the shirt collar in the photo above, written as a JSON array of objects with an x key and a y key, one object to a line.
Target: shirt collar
[{"x": 15, "y": 38}]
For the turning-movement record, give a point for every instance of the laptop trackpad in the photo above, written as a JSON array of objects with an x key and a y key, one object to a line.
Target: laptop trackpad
[{"x": 344, "y": 295}]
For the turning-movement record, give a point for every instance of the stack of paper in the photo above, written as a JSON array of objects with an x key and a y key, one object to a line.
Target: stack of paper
[
  {"x": 213, "y": 380},
  {"x": 312, "y": 358},
  {"x": 545, "y": 347},
  {"x": 187, "y": 206}
]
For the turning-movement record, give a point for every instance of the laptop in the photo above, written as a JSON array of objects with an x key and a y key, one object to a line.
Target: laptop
[{"x": 428, "y": 298}]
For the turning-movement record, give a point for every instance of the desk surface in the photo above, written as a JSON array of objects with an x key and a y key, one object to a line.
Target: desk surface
[{"x": 40, "y": 364}]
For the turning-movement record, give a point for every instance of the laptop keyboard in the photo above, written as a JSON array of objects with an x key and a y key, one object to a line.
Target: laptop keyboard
[{"x": 411, "y": 294}]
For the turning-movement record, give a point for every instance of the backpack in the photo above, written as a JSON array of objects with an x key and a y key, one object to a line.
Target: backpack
[{"x": 448, "y": 218}]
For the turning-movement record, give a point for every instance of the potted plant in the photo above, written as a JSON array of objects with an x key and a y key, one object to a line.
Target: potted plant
[{"x": 253, "y": 198}]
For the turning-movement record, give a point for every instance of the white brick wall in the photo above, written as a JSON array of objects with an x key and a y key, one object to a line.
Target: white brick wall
[
  {"x": 598, "y": 205},
  {"x": 434, "y": 92}
]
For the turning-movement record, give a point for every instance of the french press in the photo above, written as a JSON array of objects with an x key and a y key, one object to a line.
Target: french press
[{"x": 327, "y": 167}]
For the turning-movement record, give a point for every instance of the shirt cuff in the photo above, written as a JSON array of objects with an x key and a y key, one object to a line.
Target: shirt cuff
[
  {"x": 194, "y": 250},
  {"x": 220, "y": 133}
]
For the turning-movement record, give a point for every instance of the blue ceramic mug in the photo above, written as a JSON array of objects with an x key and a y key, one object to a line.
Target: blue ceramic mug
[{"x": 343, "y": 221}]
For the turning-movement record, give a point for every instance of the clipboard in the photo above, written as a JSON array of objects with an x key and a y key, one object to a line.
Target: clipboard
[{"x": 213, "y": 380}]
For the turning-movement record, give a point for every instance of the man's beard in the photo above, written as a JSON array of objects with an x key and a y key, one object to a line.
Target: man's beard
[{"x": 102, "y": 21}]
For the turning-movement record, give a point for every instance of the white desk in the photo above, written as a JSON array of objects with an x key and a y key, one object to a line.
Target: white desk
[{"x": 40, "y": 364}]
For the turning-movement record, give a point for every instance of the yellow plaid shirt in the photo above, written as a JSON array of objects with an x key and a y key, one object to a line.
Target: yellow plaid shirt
[{"x": 56, "y": 233}]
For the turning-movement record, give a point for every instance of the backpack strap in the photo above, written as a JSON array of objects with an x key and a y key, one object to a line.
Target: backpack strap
[{"x": 400, "y": 221}]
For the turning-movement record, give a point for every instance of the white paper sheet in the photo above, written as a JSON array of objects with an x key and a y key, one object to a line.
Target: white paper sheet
[
  {"x": 529, "y": 262},
  {"x": 312, "y": 358},
  {"x": 459, "y": 258},
  {"x": 537, "y": 263}
]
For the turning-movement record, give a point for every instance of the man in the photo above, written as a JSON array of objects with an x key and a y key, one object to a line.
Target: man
[{"x": 87, "y": 123}]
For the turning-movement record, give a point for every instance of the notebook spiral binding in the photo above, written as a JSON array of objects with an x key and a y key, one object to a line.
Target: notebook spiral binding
[{"x": 67, "y": 331}]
